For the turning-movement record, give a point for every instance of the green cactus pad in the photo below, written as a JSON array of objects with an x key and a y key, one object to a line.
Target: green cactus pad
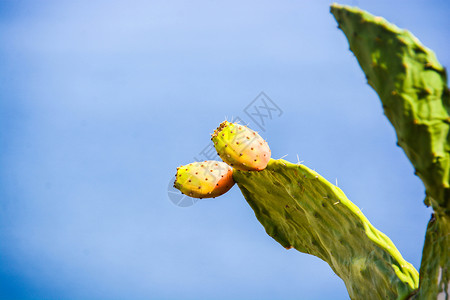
[
  {"x": 301, "y": 210},
  {"x": 412, "y": 86}
]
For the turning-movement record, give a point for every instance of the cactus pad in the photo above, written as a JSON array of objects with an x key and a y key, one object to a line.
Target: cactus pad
[
  {"x": 301, "y": 210},
  {"x": 412, "y": 86}
]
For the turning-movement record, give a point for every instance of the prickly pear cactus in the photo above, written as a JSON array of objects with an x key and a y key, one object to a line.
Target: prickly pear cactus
[
  {"x": 241, "y": 147},
  {"x": 301, "y": 210},
  {"x": 207, "y": 179},
  {"x": 412, "y": 86}
]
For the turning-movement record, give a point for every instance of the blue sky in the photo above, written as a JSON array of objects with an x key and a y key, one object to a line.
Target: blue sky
[{"x": 100, "y": 101}]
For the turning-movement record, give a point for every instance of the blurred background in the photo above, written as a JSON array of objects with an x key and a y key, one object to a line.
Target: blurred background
[{"x": 100, "y": 101}]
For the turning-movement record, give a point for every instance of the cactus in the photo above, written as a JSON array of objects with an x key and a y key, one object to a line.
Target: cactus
[
  {"x": 241, "y": 147},
  {"x": 206, "y": 179},
  {"x": 412, "y": 86},
  {"x": 301, "y": 210}
]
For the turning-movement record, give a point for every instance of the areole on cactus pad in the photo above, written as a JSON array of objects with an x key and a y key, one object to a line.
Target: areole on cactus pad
[
  {"x": 241, "y": 147},
  {"x": 206, "y": 179}
]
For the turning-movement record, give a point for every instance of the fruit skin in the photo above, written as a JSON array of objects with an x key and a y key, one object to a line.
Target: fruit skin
[
  {"x": 241, "y": 147},
  {"x": 412, "y": 86},
  {"x": 206, "y": 179},
  {"x": 302, "y": 210}
]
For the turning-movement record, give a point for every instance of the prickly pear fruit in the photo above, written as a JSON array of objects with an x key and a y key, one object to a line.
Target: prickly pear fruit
[
  {"x": 241, "y": 147},
  {"x": 206, "y": 179}
]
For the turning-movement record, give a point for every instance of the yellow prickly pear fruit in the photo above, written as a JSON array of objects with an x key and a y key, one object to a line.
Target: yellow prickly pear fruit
[
  {"x": 206, "y": 179},
  {"x": 241, "y": 147}
]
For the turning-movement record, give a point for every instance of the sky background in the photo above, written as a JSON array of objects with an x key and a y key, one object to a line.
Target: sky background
[{"x": 100, "y": 101}]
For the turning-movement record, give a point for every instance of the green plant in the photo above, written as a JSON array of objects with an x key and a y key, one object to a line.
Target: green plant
[{"x": 301, "y": 210}]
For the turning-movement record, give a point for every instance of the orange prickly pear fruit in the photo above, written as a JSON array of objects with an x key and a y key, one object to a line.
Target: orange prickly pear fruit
[
  {"x": 241, "y": 147},
  {"x": 206, "y": 179}
]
